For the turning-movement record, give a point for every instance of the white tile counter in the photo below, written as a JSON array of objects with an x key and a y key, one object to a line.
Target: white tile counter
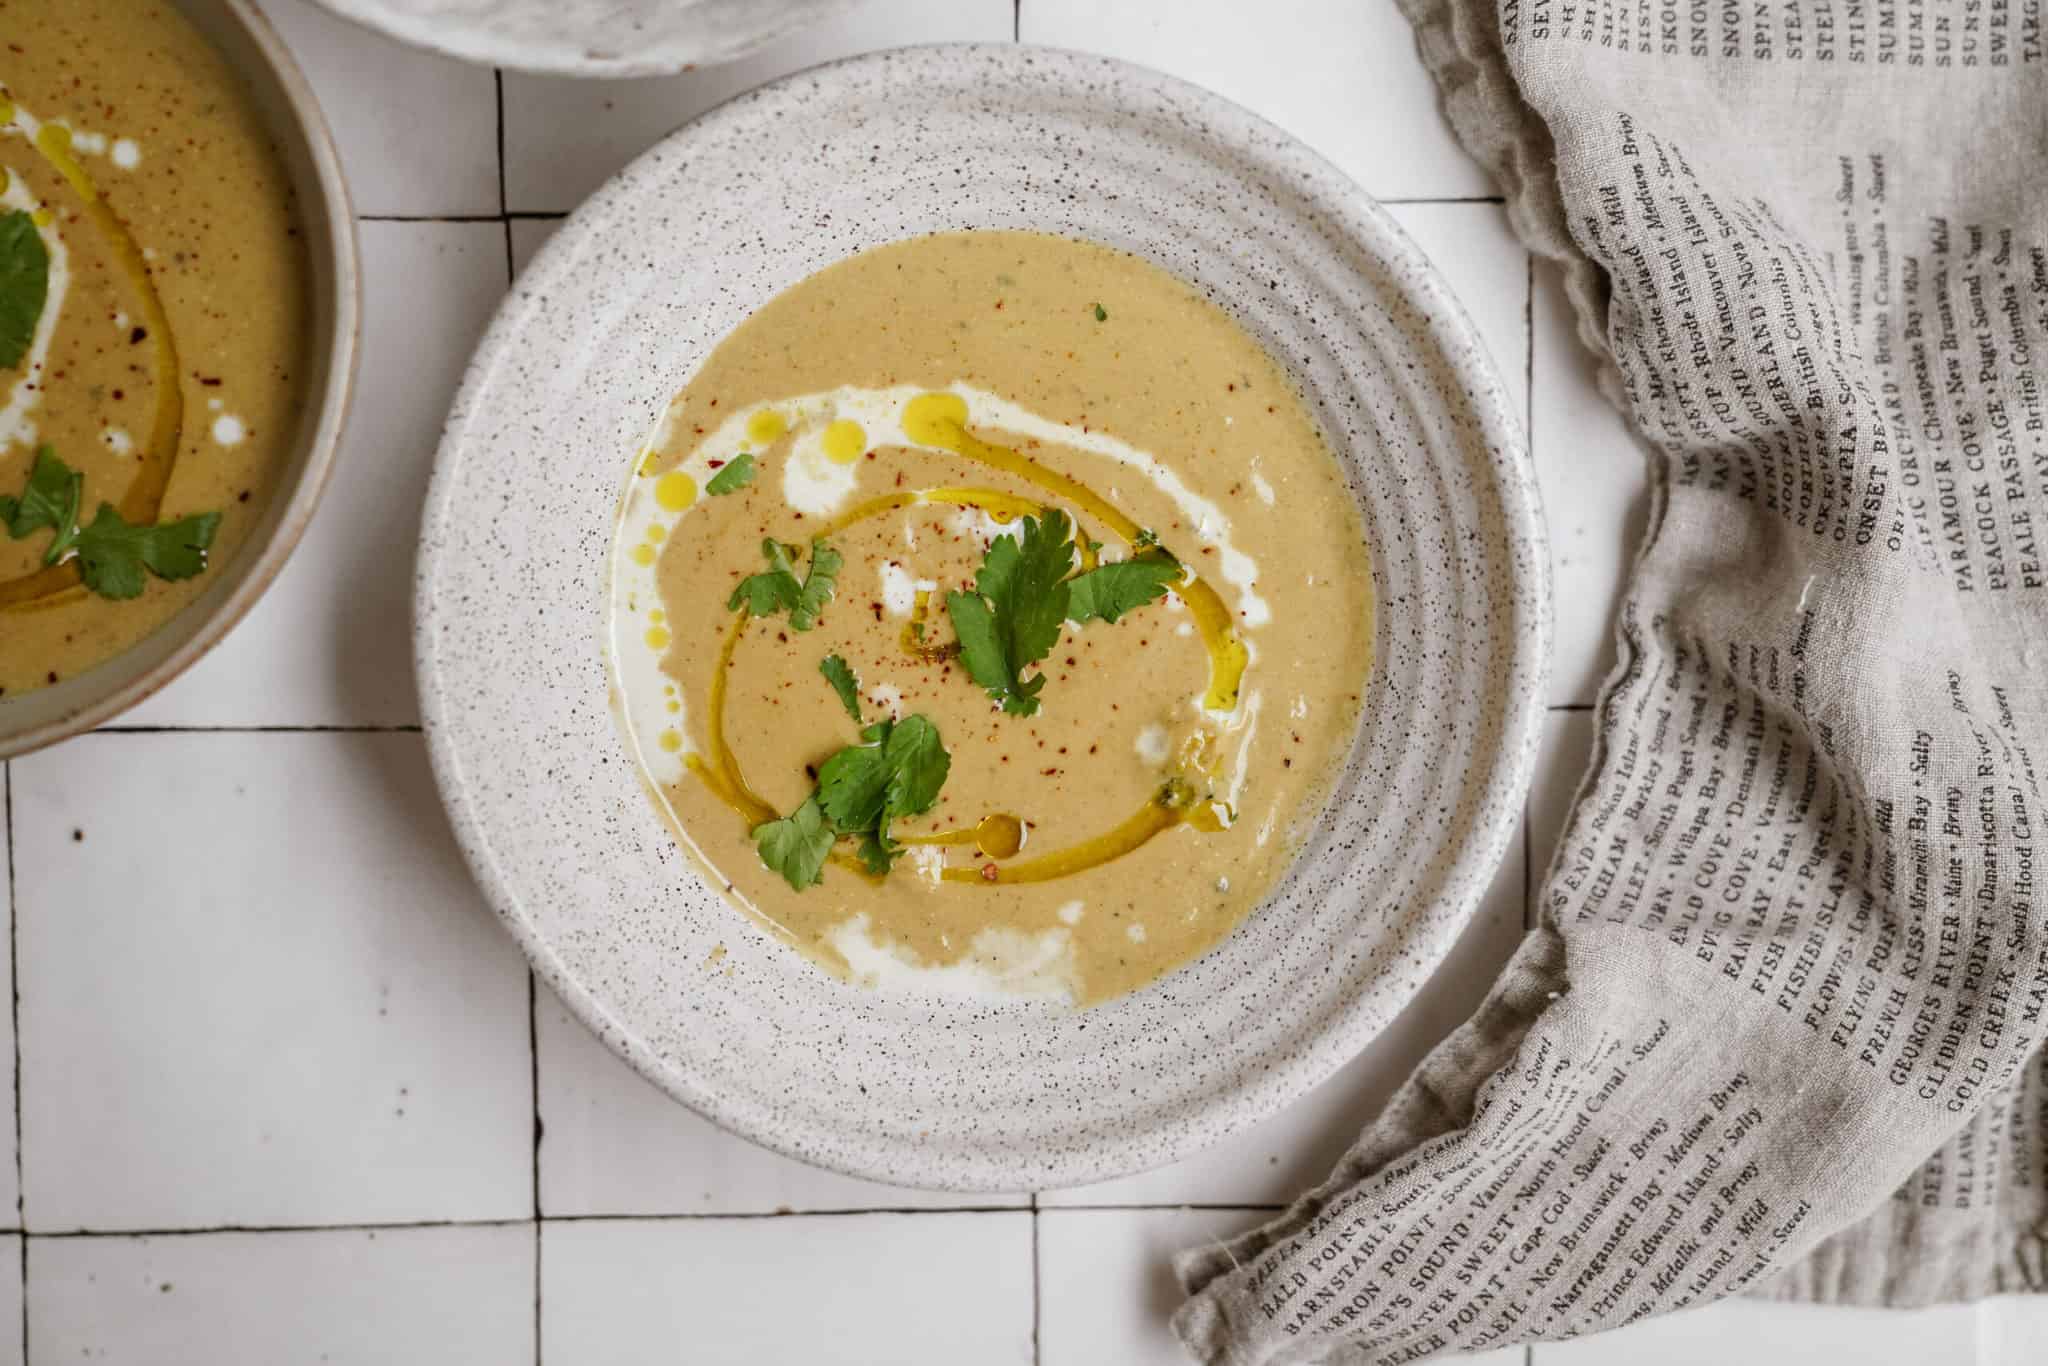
[{"x": 323, "y": 1114}]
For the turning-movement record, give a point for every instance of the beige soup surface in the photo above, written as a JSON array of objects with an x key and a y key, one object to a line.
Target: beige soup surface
[
  {"x": 153, "y": 305},
  {"x": 989, "y": 616}
]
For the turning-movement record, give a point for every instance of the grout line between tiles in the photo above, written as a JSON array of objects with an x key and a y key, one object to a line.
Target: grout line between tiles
[
  {"x": 533, "y": 1075},
  {"x": 256, "y": 730},
  {"x": 498, "y": 89},
  {"x": 14, "y": 1006},
  {"x": 532, "y": 987},
  {"x": 514, "y": 215},
  {"x": 733, "y": 1216},
  {"x": 394, "y": 1226},
  {"x": 1037, "y": 1275},
  {"x": 1017, "y": 21}
]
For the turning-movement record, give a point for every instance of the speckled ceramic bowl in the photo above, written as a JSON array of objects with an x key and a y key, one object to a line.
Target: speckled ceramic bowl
[
  {"x": 614, "y": 316},
  {"x": 241, "y": 34},
  {"x": 608, "y": 38}
]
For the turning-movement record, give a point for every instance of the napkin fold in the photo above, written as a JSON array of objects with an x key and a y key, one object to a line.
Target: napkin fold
[{"x": 1780, "y": 1030}]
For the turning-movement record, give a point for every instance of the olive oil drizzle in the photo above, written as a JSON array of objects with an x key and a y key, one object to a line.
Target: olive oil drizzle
[
  {"x": 144, "y": 498},
  {"x": 939, "y": 419}
]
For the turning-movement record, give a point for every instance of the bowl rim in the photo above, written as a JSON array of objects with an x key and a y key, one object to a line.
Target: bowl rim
[
  {"x": 1524, "y": 688},
  {"x": 259, "y": 564},
  {"x": 561, "y": 58}
]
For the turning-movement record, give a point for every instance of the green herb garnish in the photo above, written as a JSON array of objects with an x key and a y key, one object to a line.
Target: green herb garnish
[
  {"x": 1012, "y": 619},
  {"x": 1101, "y": 314},
  {"x": 24, "y": 284},
  {"x": 861, "y": 790},
  {"x": 842, "y": 680},
  {"x": 779, "y": 589},
  {"x": 1108, "y": 591},
  {"x": 51, "y": 499},
  {"x": 112, "y": 554},
  {"x": 737, "y": 474},
  {"x": 796, "y": 845}
]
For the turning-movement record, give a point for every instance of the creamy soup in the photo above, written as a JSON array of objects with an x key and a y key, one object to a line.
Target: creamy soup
[
  {"x": 988, "y": 615},
  {"x": 153, "y": 305}
]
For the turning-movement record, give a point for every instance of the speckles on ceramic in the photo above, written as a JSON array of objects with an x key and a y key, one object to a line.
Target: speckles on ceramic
[
  {"x": 611, "y": 38},
  {"x": 618, "y": 311}
]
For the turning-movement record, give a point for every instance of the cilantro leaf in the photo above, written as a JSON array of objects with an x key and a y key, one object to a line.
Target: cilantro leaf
[
  {"x": 878, "y": 852},
  {"x": 737, "y": 474},
  {"x": 899, "y": 772},
  {"x": 918, "y": 765},
  {"x": 796, "y": 845},
  {"x": 779, "y": 590},
  {"x": 771, "y": 592},
  {"x": 1108, "y": 591},
  {"x": 1013, "y": 618},
  {"x": 24, "y": 285},
  {"x": 112, "y": 554},
  {"x": 1101, "y": 314},
  {"x": 983, "y": 655},
  {"x": 853, "y": 784},
  {"x": 843, "y": 682},
  {"x": 819, "y": 582},
  {"x": 51, "y": 500}
]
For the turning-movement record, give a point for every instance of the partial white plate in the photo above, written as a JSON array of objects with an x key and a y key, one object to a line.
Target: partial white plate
[
  {"x": 618, "y": 311},
  {"x": 608, "y": 38}
]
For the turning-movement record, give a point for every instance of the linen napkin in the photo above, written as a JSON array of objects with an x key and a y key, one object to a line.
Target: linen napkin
[{"x": 1780, "y": 1031}]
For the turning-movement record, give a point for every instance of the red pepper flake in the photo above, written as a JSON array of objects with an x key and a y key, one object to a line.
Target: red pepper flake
[
  {"x": 138, "y": 336},
  {"x": 714, "y": 464},
  {"x": 209, "y": 383},
  {"x": 988, "y": 872}
]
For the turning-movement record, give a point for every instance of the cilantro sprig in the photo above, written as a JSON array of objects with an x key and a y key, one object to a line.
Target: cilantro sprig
[
  {"x": 840, "y": 675},
  {"x": 861, "y": 790},
  {"x": 1012, "y": 619},
  {"x": 112, "y": 553},
  {"x": 1108, "y": 591},
  {"x": 778, "y": 589},
  {"x": 737, "y": 474},
  {"x": 24, "y": 284},
  {"x": 1023, "y": 595}
]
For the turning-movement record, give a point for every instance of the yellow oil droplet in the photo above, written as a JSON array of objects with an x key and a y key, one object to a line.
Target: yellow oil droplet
[
  {"x": 674, "y": 706},
  {"x": 658, "y": 637},
  {"x": 845, "y": 442},
  {"x": 657, "y": 616},
  {"x": 42, "y": 218},
  {"x": 672, "y": 740},
  {"x": 936, "y": 419},
  {"x": 643, "y": 555},
  {"x": 764, "y": 426},
  {"x": 999, "y": 836},
  {"x": 6, "y": 116},
  {"x": 675, "y": 491},
  {"x": 648, "y": 459},
  {"x": 655, "y": 532}
]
